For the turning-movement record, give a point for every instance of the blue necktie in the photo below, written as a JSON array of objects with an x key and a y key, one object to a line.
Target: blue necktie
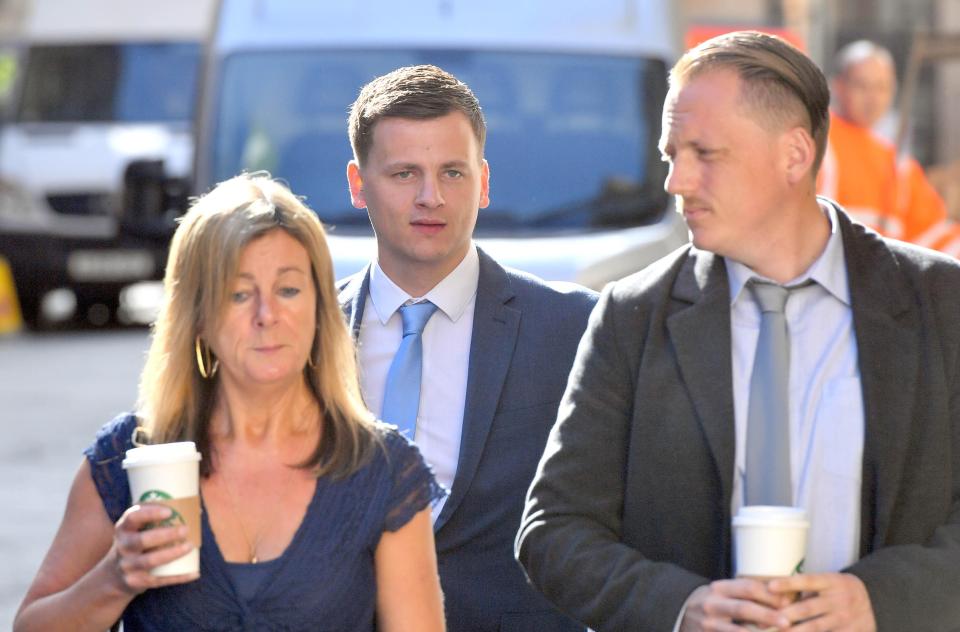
[
  {"x": 767, "y": 471},
  {"x": 401, "y": 395}
]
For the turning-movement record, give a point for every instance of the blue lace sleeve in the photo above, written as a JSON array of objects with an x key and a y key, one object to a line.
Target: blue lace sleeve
[
  {"x": 414, "y": 486},
  {"x": 105, "y": 456}
]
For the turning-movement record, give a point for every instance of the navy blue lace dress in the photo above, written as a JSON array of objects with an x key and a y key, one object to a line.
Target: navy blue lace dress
[{"x": 323, "y": 581}]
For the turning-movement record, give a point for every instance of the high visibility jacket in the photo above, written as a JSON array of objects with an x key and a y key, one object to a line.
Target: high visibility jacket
[{"x": 861, "y": 171}]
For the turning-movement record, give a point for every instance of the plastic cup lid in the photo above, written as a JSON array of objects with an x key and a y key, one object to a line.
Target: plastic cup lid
[
  {"x": 768, "y": 515},
  {"x": 161, "y": 453}
]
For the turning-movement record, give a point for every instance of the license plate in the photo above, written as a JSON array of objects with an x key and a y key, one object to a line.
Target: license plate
[{"x": 110, "y": 265}]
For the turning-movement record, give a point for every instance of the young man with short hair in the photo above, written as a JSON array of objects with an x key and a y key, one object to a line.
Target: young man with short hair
[{"x": 495, "y": 349}]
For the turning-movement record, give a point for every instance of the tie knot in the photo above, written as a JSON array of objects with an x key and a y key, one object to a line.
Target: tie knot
[
  {"x": 415, "y": 316},
  {"x": 769, "y": 296}
]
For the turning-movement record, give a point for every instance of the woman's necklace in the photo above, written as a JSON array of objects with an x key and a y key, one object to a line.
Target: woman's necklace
[
  {"x": 235, "y": 508},
  {"x": 279, "y": 501}
]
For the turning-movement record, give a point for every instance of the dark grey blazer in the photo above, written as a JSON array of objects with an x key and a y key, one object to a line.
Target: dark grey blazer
[
  {"x": 525, "y": 335},
  {"x": 630, "y": 510}
]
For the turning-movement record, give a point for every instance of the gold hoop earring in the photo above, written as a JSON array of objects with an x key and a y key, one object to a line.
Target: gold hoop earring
[
  {"x": 205, "y": 353},
  {"x": 310, "y": 361}
]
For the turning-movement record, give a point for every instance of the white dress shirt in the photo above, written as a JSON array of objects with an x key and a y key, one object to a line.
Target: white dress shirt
[
  {"x": 446, "y": 357},
  {"x": 826, "y": 400}
]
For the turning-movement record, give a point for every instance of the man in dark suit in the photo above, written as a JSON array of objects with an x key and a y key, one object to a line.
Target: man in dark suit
[
  {"x": 628, "y": 521},
  {"x": 495, "y": 352}
]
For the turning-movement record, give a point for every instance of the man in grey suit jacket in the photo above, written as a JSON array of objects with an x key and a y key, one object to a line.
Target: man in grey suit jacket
[
  {"x": 496, "y": 352},
  {"x": 627, "y": 523}
]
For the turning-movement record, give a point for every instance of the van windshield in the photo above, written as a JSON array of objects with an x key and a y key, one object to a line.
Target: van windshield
[
  {"x": 92, "y": 83},
  {"x": 571, "y": 139}
]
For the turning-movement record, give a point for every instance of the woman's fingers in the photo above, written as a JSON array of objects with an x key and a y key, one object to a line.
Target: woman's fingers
[{"x": 142, "y": 545}]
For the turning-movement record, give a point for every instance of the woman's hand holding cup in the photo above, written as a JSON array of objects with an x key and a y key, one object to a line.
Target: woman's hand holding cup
[{"x": 142, "y": 544}]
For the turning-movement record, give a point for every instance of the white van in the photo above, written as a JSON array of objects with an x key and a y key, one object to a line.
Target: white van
[
  {"x": 572, "y": 93},
  {"x": 99, "y": 83}
]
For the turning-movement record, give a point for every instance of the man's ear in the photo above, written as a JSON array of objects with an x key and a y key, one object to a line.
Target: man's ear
[
  {"x": 799, "y": 151},
  {"x": 484, "y": 184},
  {"x": 355, "y": 182}
]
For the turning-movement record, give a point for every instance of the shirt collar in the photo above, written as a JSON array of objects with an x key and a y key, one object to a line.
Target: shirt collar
[
  {"x": 829, "y": 270},
  {"x": 451, "y": 295}
]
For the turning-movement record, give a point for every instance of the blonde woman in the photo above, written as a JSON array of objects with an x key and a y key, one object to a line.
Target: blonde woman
[{"x": 315, "y": 516}]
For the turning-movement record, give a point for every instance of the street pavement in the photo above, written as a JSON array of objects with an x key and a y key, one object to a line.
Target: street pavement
[{"x": 56, "y": 390}]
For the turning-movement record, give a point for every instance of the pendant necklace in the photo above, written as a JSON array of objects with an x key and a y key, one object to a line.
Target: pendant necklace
[{"x": 234, "y": 506}]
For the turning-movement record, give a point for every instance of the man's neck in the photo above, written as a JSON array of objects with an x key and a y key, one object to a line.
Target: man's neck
[
  {"x": 417, "y": 279},
  {"x": 801, "y": 241}
]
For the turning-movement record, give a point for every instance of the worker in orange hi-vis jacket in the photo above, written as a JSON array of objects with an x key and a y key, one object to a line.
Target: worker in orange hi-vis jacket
[{"x": 862, "y": 171}]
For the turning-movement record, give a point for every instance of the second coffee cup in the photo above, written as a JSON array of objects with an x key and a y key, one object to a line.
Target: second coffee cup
[{"x": 769, "y": 541}]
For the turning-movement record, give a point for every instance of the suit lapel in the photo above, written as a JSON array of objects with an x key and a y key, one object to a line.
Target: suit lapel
[
  {"x": 700, "y": 334},
  {"x": 495, "y": 328},
  {"x": 353, "y": 298},
  {"x": 887, "y": 342}
]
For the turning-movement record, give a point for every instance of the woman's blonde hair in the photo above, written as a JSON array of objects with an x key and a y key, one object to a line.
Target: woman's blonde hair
[{"x": 175, "y": 401}]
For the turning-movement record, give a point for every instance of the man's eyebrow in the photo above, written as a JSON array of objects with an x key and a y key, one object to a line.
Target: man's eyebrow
[{"x": 400, "y": 166}]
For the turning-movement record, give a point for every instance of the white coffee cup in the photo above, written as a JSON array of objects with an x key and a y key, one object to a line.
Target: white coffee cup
[
  {"x": 169, "y": 474},
  {"x": 769, "y": 541}
]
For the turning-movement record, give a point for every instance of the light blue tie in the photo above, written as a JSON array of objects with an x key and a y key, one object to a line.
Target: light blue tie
[
  {"x": 767, "y": 468},
  {"x": 401, "y": 395},
  {"x": 767, "y": 476}
]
